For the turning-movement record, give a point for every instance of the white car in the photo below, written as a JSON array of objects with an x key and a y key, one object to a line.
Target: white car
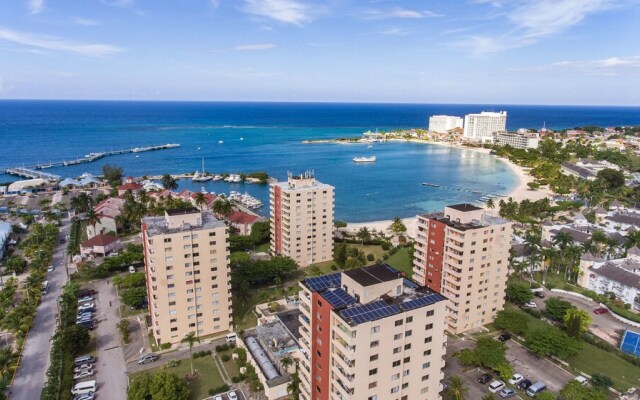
[
  {"x": 85, "y": 299},
  {"x": 132, "y": 269},
  {"x": 50, "y": 268},
  {"x": 81, "y": 367},
  {"x": 87, "y": 306},
  {"x": 581, "y": 380},
  {"x": 218, "y": 398},
  {"x": 88, "y": 396},
  {"x": 83, "y": 374},
  {"x": 496, "y": 386},
  {"x": 531, "y": 304},
  {"x": 232, "y": 395},
  {"x": 515, "y": 379}
]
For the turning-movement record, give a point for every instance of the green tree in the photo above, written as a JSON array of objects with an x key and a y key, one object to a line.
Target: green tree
[
  {"x": 556, "y": 308},
  {"x": 222, "y": 207},
  {"x": 504, "y": 370},
  {"x": 601, "y": 381},
  {"x": 169, "y": 182},
  {"x": 162, "y": 386},
  {"x": 200, "y": 201},
  {"x": 76, "y": 337},
  {"x": 576, "y": 321},
  {"x": 491, "y": 205},
  {"x": 134, "y": 297},
  {"x": 549, "y": 341},
  {"x": 130, "y": 280},
  {"x": 15, "y": 264},
  {"x": 363, "y": 234},
  {"x": 546, "y": 396},
  {"x": 190, "y": 338},
  {"x": 112, "y": 173},
  {"x": 612, "y": 178},
  {"x": 512, "y": 321},
  {"x": 457, "y": 389},
  {"x": 356, "y": 259},
  {"x": 340, "y": 255},
  {"x": 397, "y": 226},
  {"x": 519, "y": 293},
  {"x": 575, "y": 391},
  {"x": 490, "y": 353}
]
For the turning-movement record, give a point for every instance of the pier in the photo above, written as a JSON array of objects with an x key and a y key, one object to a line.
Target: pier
[{"x": 33, "y": 171}]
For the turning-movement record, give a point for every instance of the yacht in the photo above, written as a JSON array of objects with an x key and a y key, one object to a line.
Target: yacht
[
  {"x": 364, "y": 159},
  {"x": 197, "y": 177},
  {"x": 217, "y": 178}
]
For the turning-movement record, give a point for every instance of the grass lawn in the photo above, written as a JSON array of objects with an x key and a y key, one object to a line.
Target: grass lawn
[
  {"x": 592, "y": 359},
  {"x": 126, "y": 311},
  {"x": 401, "y": 260},
  {"x": 263, "y": 248},
  {"x": 243, "y": 315},
  {"x": 231, "y": 366},
  {"x": 209, "y": 375}
]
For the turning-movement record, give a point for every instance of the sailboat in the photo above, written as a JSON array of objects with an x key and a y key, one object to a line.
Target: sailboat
[{"x": 197, "y": 177}]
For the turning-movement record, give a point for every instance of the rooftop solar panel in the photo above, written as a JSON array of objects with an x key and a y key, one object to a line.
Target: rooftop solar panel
[
  {"x": 631, "y": 343},
  {"x": 370, "y": 312},
  {"x": 410, "y": 283},
  {"x": 323, "y": 282},
  {"x": 338, "y": 298},
  {"x": 422, "y": 301}
]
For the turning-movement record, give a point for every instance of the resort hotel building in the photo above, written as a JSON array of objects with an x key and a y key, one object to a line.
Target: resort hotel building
[
  {"x": 370, "y": 334},
  {"x": 444, "y": 123},
  {"x": 463, "y": 253},
  {"x": 481, "y": 127},
  {"x": 301, "y": 219},
  {"x": 518, "y": 140},
  {"x": 187, "y": 266}
]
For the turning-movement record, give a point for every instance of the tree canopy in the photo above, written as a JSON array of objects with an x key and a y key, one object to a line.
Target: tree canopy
[
  {"x": 512, "y": 321},
  {"x": 550, "y": 341},
  {"x": 162, "y": 386},
  {"x": 519, "y": 293}
]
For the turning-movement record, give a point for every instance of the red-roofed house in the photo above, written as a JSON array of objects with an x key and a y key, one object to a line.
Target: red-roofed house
[
  {"x": 243, "y": 222},
  {"x": 133, "y": 186},
  {"x": 107, "y": 211},
  {"x": 100, "y": 245}
]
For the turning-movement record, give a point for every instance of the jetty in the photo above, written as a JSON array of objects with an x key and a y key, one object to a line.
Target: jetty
[{"x": 34, "y": 171}]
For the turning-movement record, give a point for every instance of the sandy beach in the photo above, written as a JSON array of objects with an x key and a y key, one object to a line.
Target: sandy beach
[{"x": 519, "y": 193}]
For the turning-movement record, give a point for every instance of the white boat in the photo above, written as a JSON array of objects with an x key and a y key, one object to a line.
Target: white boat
[
  {"x": 364, "y": 159},
  {"x": 197, "y": 177},
  {"x": 369, "y": 147},
  {"x": 241, "y": 138},
  {"x": 217, "y": 178},
  {"x": 220, "y": 142}
]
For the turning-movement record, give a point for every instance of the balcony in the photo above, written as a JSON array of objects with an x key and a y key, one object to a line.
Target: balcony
[
  {"x": 349, "y": 377},
  {"x": 344, "y": 387},
  {"x": 346, "y": 361}
]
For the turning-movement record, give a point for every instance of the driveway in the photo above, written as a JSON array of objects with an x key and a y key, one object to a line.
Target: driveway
[
  {"x": 604, "y": 325},
  {"x": 111, "y": 375},
  {"x": 30, "y": 376},
  {"x": 535, "y": 368}
]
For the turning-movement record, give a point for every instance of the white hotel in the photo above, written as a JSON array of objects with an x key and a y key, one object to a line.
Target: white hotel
[
  {"x": 444, "y": 123},
  {"x": 481, "y": 127}
]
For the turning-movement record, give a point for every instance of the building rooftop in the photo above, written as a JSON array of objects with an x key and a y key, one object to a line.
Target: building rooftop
[
  {"x": 373, "y": 274},
  {"x": 100, "y": 240},
  {"x": 464, "y": 207},
  {"x": 182, "y": 211},
  {"x": 614, "y": 273},
  {"x": 158, "y": 225},
  {"x": 487, "y": 220}
]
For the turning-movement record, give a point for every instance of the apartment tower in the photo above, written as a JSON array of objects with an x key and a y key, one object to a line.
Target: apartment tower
[
  {"x": 302, "y": 219},
  {"x": 481, "y": 127},
  {"x": 444, "y": 123},
  {"x": 370, "y": 334},
  {"x": 186, "y": 261},
  {"x": 463, "y": 253}
]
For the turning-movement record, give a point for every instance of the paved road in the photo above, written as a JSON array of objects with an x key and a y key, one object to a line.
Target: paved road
[
  {"x": 603, "y": 325},
  {"x": 30, "y": 376},
  {"x": 536, "y": 368},
  {"x": 181, "y": 354},
  {"x": 111, "y": 376}
]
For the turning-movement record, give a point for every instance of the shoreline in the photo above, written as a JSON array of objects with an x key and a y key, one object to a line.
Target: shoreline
[{"x": 520, "y": 192}]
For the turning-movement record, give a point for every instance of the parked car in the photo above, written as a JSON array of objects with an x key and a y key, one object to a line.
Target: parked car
[
  {"x": 86, "y": 306},
  {"x": 50, "y": 268},
  {"x": 132, "y": 269},
  {"x": 507, "y": 392},
  {"x": 496, "y": 386},
  {"x": 83, "y": 374},
  {"x": 218, "y": 397},
  {"x": 504, "y": 337},
  {"x": 84, "y": 360},
  {"x": 524, "y": 385},
  {"x": 581, "y": 380},
  {"x": 85, "y": 299},
  {"x": 531, "y": 304},
  {"x": 516, "y": 378},
  {"x": 82, "y": 367},
  {"x": 114, "y": 254},
  {"x": 88, "y": 396},
  {"x": 232, "y": 395},
  {"x": 600, "y": 310},
  {"x": 147, "y": 358},
  {"x": 539, "y": 294},
  {"x": 484, "y": 378}
]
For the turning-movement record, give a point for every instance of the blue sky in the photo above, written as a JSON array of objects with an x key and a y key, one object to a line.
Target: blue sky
[{"x": 423, "y": 51}]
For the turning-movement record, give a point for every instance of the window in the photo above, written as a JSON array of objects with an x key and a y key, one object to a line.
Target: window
[
  {"x": 396, "y": 363},
  {"x": 425, "y": 378},
  {"x": 397, "y": 336},
  {"x": 395, "y": 389},
  {"x": 373, "y": 371},
  {"x": 408, "y": 333},
  {"x": 375, "y": 343},
  {"x": 373, "y": 357},
  {"x": 428, "y": 340},
  {"x": 395, "y": 377},
  {"x": 426, "y": 365},
  {"x": 397, "y": 350},
  {"x": 409, "y": 319},
  {"x": 375, "y": 329},
  {"x": 407, "y": 359},
  {"x": 428, "y": 327},
  {"x": 405, "y": 372},
  {"x": 172, "y": 303},
  {"x": 427, "y": 352},
  {"x": 407, "y": 346},
  {"x": 399, "y": 322},
  {"x": 430, "y": 313}
]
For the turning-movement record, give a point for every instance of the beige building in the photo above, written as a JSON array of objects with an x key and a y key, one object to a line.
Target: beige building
[
  {"x": 464, "y": 254},
  {"x": 302, "y": 219},
  {"x": 444, "y": 123},
  {"x": 186, "y": 261},
  {"x": 481, "y": 127},
  {"x": 369, "y": 333}
]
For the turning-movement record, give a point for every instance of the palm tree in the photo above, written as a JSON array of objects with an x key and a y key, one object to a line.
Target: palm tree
[
  {"x": 222, "y": 207},
  {"x": 7, "y": 361},
  {"x": 491, "y": 205},
  {"x": 200, "y": 201},
  {"x": 169, "y": 182},
  {"x": 191, "y": 338},
  {"x": 562, "y": 240},
  {"x": 92, "y": 219},
  {"x": 363, "y": 234},
  {"x": 457, "y": 389},
  {"x": 356, "y": 259}
]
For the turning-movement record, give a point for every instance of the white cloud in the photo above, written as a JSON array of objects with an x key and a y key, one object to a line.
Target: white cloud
[
  {"x": 400, "y": 13},
  {"x": 57, "y": 44},
  {"x": 530, "y": 21},
  {"x": 287, "y": 11},
  {"x": 35, "y": 6},
  {"x": 604, "y": 66},
  {"x": 85, "y": 21},
  {"x": 396, "y": 32},
  {"x": 254, "y": 47},
  {"x": 214, "y": 3}
]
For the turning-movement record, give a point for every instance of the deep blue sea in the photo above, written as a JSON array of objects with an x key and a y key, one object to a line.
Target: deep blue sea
[{"x": 41, "y": 131}]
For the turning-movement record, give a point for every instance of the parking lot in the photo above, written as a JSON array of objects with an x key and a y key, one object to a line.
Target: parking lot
[
  {"x": 226, "y": 397},
  {"x": 523, "y": 362}
]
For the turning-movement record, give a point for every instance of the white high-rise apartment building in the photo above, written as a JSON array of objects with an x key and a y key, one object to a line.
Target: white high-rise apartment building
[
  {"x": 481, "y": 127},
  {"x": 188, "y": 281},
  {"x": 444, "y": 123},
  {"x": 302, "y": 219}
]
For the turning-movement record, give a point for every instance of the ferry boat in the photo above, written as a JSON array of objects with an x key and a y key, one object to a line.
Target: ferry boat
[{"x": 364, "y": 159}]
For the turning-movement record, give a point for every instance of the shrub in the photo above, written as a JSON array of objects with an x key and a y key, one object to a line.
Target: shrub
[
  {"x": 237, "y": 378},
  {"x": 601, "y": 381},
  {"x": 370, "y": 257},
  {"x": 219, "y": 389},
  {"x": 386, "y": 246},
  {"x": 222, "y": 348},
  {"x": 393, "y": 251},
  {"x": 225, "y": 357},
  {"x": 165, "y": 346},
  {"x": 334, "y": 267},
  {"x": 385, "y": 256}
]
